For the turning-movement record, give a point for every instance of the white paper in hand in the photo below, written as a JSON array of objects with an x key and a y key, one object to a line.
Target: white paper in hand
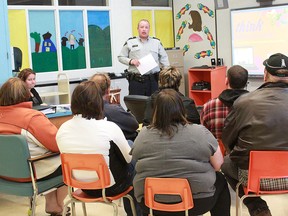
[{"x": 147, "y": 63}]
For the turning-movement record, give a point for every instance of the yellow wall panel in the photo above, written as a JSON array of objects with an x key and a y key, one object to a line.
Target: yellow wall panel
[
  {"x": 18, "y": 34},
  {"x": 137, "y": 15},
  {"x": 164, "y": 27}
]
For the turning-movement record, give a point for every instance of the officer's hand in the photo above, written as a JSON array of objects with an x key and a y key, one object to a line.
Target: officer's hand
[{"x": 135, "y": 62}]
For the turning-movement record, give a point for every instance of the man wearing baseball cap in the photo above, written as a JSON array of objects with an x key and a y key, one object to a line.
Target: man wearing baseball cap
[{"x": 258, "y": 120}]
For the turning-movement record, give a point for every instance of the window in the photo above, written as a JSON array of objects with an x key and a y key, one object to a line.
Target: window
[
  {"x": 83, "y": 2},
  {"x": 158, "y": 3},
  {"x": 29, "y": 2},
  {"x": 79, "y": 39}
]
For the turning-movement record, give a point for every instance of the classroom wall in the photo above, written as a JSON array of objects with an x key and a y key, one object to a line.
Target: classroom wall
[{"x": 121, "y": 20}]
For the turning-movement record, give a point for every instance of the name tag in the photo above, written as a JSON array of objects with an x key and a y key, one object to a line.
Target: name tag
[{"x": 136, "y": 45}]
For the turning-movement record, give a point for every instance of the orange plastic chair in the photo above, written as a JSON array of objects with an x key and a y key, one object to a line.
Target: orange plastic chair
[
  {"x": 89, "y": 162},
  {"x": 222, "y": 147},
  {"x": 263, "y": 165},
  {"x": 175, "y": 192}
]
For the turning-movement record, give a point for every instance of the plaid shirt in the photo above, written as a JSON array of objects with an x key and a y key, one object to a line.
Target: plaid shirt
[{"x": 213, "y": 116}]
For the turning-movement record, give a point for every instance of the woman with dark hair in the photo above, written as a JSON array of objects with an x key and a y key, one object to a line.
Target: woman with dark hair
[
  {"x": 88, "y": 133},
  {"x": 29, "y": 77},
  {"x": 18, "y": 117},
  {"x": 172, "y": 147}
]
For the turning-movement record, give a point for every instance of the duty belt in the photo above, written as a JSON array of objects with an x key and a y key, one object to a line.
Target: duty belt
[{"x": 141, "y": 78}]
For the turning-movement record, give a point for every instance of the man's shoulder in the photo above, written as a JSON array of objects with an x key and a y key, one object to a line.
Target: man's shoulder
[
  {"x": 131, "y": 38},
  {"x": 155, "y": 38},
  {"x": 211, "y": 102}
]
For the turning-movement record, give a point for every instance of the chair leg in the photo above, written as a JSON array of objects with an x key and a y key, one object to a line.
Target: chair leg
[
  {"x": 64, "y": 212},
  {"x": 237, "y": 199},
  {"x": 73, "y": 209},
  {"x": 131, "y": 204},
  {"x": 241, "y": 204},
  {"x": 33, "y": 204},
  {"x": 115, "y": 208},
  {"x": 84, "y": 209},
  {"x": 150, "y": 212},
  {"x": 120, "y": 202}
]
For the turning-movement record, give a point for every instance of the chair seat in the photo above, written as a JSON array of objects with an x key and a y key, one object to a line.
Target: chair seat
[
  {"x": 82, "y": 196},
  {"x": 26, "y": 189}
]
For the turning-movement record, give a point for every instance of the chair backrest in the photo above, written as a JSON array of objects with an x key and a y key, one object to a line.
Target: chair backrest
[
  {"x": 266, "y": 165},
  {"x": 86, "y": 162},
  {"x": 137, "y": 105},
  {"x": 163, "y": 194},
  {"x": 14, "y": 155}
]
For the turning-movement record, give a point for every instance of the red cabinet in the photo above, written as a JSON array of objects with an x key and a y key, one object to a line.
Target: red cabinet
[{"x": 216, "y": 78}]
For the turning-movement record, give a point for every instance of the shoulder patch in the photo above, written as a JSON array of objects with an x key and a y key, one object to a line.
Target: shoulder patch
[
  {"x": 156, "y": 38},
  {"x": 131, "y": 38}
]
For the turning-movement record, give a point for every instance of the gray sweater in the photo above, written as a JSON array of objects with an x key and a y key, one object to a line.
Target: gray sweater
[{"x": 186, "y": 155}]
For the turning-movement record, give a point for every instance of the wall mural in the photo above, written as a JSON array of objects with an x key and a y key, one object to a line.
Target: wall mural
[
  {"x": 43, "y": 41},
  {"x": 192, "y": 28},
  {"x": 99, "y": 38},
  {"x": 72, "y": 40}
]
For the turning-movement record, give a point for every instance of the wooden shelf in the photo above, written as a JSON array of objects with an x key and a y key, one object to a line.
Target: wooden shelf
[
  {"x": 63, "y": 90},
  {"x": 215, "y": 76}
]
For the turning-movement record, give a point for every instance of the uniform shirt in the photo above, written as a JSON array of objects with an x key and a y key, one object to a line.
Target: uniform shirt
[{"x": 135, "y": 48}]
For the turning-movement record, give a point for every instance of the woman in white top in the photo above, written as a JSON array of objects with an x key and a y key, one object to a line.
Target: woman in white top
[{"x": 87, "y": 132}]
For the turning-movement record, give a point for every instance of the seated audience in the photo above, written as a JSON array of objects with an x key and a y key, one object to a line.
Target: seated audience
[
  {"x": 258, "y": 121},
  {"x": 18, "y": 117},
  {"x": 171, "y": 78},
  {"x": 29, "y": 77},
  {"x": 94, "y": 135},
  {"x": 172, "y": 147},
  {"x": 115, "y": 112},
  {"x": 215, "y": 110}
]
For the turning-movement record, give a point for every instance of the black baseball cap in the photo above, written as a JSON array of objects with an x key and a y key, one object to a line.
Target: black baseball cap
[{"x": 276, "y": 62}]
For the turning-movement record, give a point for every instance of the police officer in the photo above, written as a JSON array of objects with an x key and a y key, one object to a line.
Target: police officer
[{"x": 134, "y": 49}]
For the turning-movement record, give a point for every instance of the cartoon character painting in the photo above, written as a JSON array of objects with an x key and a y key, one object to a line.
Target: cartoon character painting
[
  {"x": 185, "y": 48},
  {"x": 205, "y": 9},
  {"x": 203, "y": 54},
  {"x": 209, "y": 36},
  {"x": 180, "y": 30},
  {"x": 183, "y": 10},
  {"x": 72, "y": 40},
  {"x": 196, "y": 21}
]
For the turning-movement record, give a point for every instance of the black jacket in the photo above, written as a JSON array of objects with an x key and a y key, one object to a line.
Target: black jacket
[
  {"x": 258, "y": 121},
  {"x": 189, "y": 105}
]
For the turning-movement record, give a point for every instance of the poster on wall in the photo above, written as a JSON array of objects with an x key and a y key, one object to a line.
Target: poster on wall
[
  {"x": 43, "y": 41},
  {"x": 195, "y": 31},
  {"x": 99, "y": 39},
  {"x": 72, "y": 40}
]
